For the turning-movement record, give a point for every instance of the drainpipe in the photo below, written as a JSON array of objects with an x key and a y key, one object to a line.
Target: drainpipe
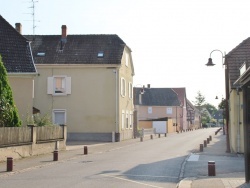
[
  {"x": 116, "y": 101},
  {"x": 238, "y": 130}
]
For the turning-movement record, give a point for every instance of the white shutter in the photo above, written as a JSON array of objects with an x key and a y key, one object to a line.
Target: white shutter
[
  {"x": 68, "y": 85},
  {"x": 50, "y": 85}
]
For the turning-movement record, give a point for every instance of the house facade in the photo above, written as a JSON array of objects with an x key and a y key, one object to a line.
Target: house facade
[
  {"x": 193, "y": 116},
  {"x": 85, "y": 82},
  {"x": 237, "y": 61},
  {"x": 17, "y": 58},
  {"x": 158, "y": 104},
  {"x": 238, "y": 73}
]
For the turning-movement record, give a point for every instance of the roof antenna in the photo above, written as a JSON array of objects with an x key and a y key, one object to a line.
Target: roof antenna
[{"x": 33, "y": 15}]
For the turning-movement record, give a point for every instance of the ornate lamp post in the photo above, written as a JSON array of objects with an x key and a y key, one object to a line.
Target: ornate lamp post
[{"x": 210, "y": 63}]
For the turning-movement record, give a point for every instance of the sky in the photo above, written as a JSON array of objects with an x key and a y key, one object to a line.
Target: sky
[{"x": 171, "y": 40}]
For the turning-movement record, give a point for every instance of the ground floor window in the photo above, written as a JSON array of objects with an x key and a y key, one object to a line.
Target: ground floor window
[
  {"x": 131, "y": 120},
  {"x": 59, "y": 116}
]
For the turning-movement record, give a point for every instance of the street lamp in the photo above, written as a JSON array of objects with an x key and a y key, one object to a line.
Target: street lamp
[
  {"x": 210, "y": 63},
  {"x": 136, "y": 110}
]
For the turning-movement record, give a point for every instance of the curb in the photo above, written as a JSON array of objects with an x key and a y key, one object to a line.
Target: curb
[{"x": 185, "y": 183}]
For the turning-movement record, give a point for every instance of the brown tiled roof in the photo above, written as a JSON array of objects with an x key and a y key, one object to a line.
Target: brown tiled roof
[
  {"x": 15, "y": 50},
  {"x": 181, "y": 92},
  {"x": 77, "y": 49},
  {"x": 236, "y": 58}
]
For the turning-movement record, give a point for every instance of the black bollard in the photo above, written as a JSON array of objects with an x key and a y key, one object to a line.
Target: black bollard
[
  {"x": 55, "y": 155},
  {"x": 201, "y": 147},
  {"x": 85, "y": 150},
  {"x": 151, "y": 137},
  {"x": 9, "y": 164},
  {"x": 205, "y": 143},
  {"x": 211, "y": 168},
  {"x": 141, "y": 138},
  {"x": 207, "y": 140}
]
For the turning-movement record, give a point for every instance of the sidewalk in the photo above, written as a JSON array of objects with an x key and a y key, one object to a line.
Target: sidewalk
[
  {"x": 229, "y": 168},
  {"x": 73, "y": 150}
]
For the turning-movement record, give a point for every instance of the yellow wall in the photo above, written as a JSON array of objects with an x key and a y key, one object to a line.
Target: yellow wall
[
  {"x": 236, "y": 134},
  {"x": 89, "y": 107},
  {"x": 22, "y": 90},
  {"x": 125, "y": 102}
]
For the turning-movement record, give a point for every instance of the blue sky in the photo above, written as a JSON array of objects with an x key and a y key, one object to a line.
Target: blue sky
[{"x": 171, "y": 40}]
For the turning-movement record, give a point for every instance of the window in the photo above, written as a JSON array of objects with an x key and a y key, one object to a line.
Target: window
[
  {"x": 131, "y": 120},
  {"x": 100, "y": 54},
  {"x": 130, "y": 90},
  {"x": 41, "y": 54},
  {"x": 169, "y": 110},
  {"x": 126, "y": 59},
  {"x": 127, "y": 120},
  {"x": 150, "y": 110},
  {"x": 59, "y": 85},
  {"x": 59, "y": 116},
  {"x": 123, "y": 119},
  {"x": 123, "y": 87}
]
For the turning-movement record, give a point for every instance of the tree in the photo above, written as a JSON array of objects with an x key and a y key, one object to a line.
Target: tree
[
  {"x": 8, "y": 111},
  {"x": 199, "y": 101}
]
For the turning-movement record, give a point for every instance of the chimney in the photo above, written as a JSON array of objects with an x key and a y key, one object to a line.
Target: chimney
[
  {"x": 148, "y": 86},
  {"x": 64, "y": 32},
  {"x": 19, "y": 28}
]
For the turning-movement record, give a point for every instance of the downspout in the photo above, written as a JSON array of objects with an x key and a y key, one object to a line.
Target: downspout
[
  {"x": 116, "y": 101},
  {"x": 238, "y": 130}
]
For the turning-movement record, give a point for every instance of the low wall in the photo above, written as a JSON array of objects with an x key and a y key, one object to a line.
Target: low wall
[{"x": 34, "y": 146}]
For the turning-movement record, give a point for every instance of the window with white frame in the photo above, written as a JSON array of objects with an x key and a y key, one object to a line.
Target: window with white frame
[
  {"x": 126, "y": 59},
  {"x": 130, "y": 90},
  {"x": 123, "y": 119},
  {"x": 150, "y": 110},
  {"x": 127, "y": 120},
  {"x": 123, "y": 87},
  {"x": 59, "y": 85},
  {"x": 131, "y": 120},
  {"x": 59, "y": 116}
]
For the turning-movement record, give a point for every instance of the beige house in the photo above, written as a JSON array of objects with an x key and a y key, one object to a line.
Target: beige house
[
  {"x": 85, "y": 82},
  {"x": 238, "y": 92},
  {"x": 18, "y": 61},
  {"x": 237, "y": 62}
]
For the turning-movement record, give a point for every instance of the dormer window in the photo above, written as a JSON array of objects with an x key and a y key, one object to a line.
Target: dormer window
[
  {"x": 41, "y": 54},
  {"x": 100, "y": 54}
]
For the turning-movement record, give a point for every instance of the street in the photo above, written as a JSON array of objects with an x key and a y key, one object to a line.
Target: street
[{"x": 151, "y": 163}]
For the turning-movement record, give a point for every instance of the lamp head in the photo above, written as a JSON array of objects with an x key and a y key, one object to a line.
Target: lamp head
[{"x": 210, "y": 62}]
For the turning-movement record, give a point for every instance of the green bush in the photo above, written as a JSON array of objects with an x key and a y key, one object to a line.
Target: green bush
[{"x": 8, "y": 112}]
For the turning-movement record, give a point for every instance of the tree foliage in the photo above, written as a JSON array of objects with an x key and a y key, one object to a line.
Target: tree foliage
[
  {"x": 222, "y": 106},
  {"x": 8, "y": 111},
  {"x": 199, "y": 99}
]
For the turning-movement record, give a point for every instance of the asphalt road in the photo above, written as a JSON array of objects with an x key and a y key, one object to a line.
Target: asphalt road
[{"x": 152, "y": 163}]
